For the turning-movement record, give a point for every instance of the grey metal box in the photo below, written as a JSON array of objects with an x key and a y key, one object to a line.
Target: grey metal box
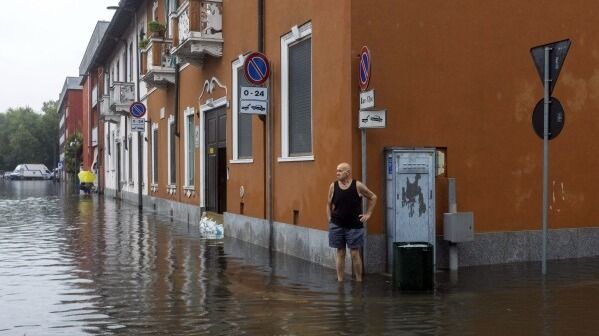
[{"x": 458, "y": 227}]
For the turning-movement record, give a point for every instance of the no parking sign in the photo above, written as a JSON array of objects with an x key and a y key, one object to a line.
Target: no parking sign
[
  {"x": 256, "y": 68},
  {"x": 364, "y": 69}
]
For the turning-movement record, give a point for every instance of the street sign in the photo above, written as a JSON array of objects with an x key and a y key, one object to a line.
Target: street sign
[
  {"x": 137, "y": 110},
  {"x": 256, "y": 68},
  {"x": 557, "y": 118},
  {"x": 557, "y": 55},
  {"x": 372, "y": 119},
  {"x": 364, "y": 69},
  {"x": 366, "y": 99},
  {"x": 253, "y": 100},
  {"x": 138, "y": 125}
]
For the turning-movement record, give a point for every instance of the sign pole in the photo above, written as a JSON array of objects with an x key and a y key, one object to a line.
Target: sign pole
[
  {"x": 547, "y": 103},
  {"x": 364, "y": 201}
]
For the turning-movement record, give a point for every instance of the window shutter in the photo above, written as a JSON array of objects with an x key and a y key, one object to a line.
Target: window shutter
[
  {"x": 244, "y": 122},
  {"x": 300, "y": 98}
]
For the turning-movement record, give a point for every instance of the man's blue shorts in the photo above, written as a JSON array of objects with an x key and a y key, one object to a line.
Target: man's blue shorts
[{"x": 339, "y": 237}]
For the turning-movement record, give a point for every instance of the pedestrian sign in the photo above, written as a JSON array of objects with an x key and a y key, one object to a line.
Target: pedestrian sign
[{"x": 557, "y": 55}]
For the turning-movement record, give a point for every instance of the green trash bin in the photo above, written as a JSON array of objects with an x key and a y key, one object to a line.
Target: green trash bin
[{"x": 413, "y": 266}]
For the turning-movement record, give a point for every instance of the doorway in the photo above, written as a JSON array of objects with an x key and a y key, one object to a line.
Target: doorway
[{"x": 216, "y": 160}]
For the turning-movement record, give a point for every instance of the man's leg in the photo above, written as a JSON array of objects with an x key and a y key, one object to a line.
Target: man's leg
[
  {"x": 340, "y": 263},
  {"x": 357, "y": 263}
]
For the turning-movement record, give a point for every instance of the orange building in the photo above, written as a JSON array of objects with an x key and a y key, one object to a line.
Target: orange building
[{"x": 456, "y": 82}]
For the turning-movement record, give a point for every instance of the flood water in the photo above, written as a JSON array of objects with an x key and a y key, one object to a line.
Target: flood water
[{"x": 72, "y": 265}]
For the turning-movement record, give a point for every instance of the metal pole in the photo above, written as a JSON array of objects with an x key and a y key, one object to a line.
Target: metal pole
[
  {"x": 139, "y": 135},
  {"x": 364, "y": 201},
  {"x": 547, "y": 103},
  {"x": 453, "y": 208}
]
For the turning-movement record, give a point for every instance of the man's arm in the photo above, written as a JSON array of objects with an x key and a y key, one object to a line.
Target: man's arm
[
  {"x": 329, "y": 200},
  {"x": 365, "y": 192}
]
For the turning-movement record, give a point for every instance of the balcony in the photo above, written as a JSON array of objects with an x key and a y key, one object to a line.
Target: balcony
[
  {"x": 122, "y": 95},
  {"x": 105, "y": 113},
  {"x": 158, "y": 63},
  {"x": 197, "y": 30}
]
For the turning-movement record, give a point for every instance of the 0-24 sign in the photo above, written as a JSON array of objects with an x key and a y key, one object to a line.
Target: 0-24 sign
[{"x": 253, "y": 100}]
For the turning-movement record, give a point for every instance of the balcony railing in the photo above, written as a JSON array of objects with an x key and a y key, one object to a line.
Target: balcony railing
[
  {"x": 158, "y": 69},
  {"x": 197, "y": 30},
  {"x": 105, "y": 113},
  {"x": 122, "y": 95}
]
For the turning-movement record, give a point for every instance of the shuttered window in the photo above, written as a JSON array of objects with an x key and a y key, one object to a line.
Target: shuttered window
[
  {"x": 155, "y": 155},
  {"x": 244, "y": 123},
  {"x": 172, "y": 157},
  {"x": 300, "y": 98},
  {"x": 190, "y": 127}
]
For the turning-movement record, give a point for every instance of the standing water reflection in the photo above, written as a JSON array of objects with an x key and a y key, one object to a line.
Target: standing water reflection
[{"x": 73, "y": 265}]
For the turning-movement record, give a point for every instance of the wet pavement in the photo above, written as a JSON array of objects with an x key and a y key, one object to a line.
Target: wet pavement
[{"x": 72, "y": 265}]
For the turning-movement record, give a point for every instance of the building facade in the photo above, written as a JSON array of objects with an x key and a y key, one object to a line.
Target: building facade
[
  {"x": 456, "y": 81},
  {"x": 70, "y": 111}
]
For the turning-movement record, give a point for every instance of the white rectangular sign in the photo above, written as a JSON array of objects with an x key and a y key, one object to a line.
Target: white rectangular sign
[
  {"x": 372, "y": 119},
  {"x": 253, "y": 100},
  {"x": 366, "y": 99},
  {"x": 138, "y": 124}
]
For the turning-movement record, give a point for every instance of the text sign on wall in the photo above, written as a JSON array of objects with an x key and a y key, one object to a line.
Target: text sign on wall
[
  {"x": 366, "y": 99},
  {"x": 253, "y": 100},
  {"x": 372, "y": 119},
  {"x": 138, "y": 125}
]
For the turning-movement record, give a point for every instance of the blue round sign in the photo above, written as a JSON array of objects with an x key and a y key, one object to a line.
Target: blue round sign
[
  {"x": 364, "y": 68},
  {"x": 137, "y": 110},
  {"x": 256, "y": 68}
]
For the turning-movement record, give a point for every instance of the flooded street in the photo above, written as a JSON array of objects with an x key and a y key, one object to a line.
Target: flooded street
[{"x": 73, "y": 265}]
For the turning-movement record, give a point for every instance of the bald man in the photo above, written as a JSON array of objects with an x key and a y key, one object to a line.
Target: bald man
[{"x": 346, "y": 221}]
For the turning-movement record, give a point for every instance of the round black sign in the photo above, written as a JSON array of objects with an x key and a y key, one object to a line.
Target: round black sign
[{"x": 557, "y": 118}]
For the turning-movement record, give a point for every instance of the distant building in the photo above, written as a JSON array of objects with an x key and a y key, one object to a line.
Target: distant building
[
  {"x": 69, "y": 111},
  {"x": 91, "y": 76}
]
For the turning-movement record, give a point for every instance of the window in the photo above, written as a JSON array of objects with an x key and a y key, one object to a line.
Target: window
[
  {"x": 155, "y": 141},
  {"x": 189, "y": 146},
  {"x": 296, "y": 97},
  {"x": 172, "y": 172},
  {"x": 130, "y": 61},
  {"x": 242, "y": 123},
  {"x": 130, "y": 152}
]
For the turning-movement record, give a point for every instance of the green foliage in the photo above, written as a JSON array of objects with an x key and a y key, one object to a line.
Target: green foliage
[
  {"x": 144, "y": 43},
  {"x": 29, "y": 137},
  {"x": 156, "y": 27},
  {"x": 73, "y": 150}
]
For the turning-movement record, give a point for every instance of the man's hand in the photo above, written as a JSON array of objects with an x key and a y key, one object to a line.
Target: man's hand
[{"x": 364, "y": 217}]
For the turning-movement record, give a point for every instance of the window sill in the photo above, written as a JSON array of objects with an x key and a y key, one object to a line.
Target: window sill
[
  {"x": 296, "y": 158},
  {"x": 189, "y": 188},
  {"x": 242, "y": 161}
]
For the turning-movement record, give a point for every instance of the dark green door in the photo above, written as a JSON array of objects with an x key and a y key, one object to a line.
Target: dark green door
[{"x": 216, "y": 160}]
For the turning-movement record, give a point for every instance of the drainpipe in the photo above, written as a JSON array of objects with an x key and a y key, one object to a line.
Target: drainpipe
[
  {"x": 268, "y": 181},
  {"x": 177, "y": 98}
]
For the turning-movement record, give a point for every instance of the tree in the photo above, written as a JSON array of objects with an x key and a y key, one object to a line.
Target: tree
[{"x": 73, "y": 150}]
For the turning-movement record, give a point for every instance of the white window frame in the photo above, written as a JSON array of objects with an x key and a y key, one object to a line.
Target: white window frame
[
  {"x": 295, "y": 35},
  {"x": 154, "y": 145},
  {"x": 188, "y": 142},
  {"x": 238, "y": 63},
  {"x": 171, "y": 121}
]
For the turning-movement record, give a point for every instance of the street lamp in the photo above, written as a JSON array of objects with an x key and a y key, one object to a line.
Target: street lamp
[{"x": 139, "y": 135}]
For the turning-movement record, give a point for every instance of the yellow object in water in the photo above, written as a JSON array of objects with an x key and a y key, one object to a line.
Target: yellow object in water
[{"x": 86, "y": 176}]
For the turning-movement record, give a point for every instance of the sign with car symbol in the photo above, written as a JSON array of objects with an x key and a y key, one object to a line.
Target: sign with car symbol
[
  {"x": 372, "y": 119},
  {"x": 253, "y": 100}
]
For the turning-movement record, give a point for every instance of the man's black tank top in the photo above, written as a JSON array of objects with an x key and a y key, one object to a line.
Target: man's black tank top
[{"x": 346, "y": 206}]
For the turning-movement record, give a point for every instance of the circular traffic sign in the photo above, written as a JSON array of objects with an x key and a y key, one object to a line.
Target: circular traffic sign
[
  {"x": 256, "y": 68},
  {"x": 137, "y": 110},
  {"x": 557, "y": 118},
  {"x": 364, "y": 70}
]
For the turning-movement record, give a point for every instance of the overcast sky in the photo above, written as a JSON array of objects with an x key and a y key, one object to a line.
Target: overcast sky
[{"x": 41, "y": 43}]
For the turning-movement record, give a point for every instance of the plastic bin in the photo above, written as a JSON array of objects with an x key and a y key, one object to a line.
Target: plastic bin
[{"x": 413, "y": 266}]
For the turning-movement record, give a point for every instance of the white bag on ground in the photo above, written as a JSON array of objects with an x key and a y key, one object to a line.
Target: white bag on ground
[{"x": 211, "y": 229}]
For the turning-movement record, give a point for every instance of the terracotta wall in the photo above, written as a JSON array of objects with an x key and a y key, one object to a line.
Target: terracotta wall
[
  {"x": 74, "y": 102},
  {"x": 459, "y": 75},
  {"x": 86, "y": 113}
]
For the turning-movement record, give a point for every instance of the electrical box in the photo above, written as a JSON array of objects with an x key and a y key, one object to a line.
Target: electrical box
[{"x": 458, "y": 227}]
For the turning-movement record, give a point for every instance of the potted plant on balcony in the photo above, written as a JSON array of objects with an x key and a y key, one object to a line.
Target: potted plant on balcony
[
  {"x": 156, "y": 28},
  {"x": 144, "y": 43}
]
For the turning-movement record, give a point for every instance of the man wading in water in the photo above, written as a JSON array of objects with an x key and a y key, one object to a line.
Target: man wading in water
[{"x": 346, "y": 221}]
